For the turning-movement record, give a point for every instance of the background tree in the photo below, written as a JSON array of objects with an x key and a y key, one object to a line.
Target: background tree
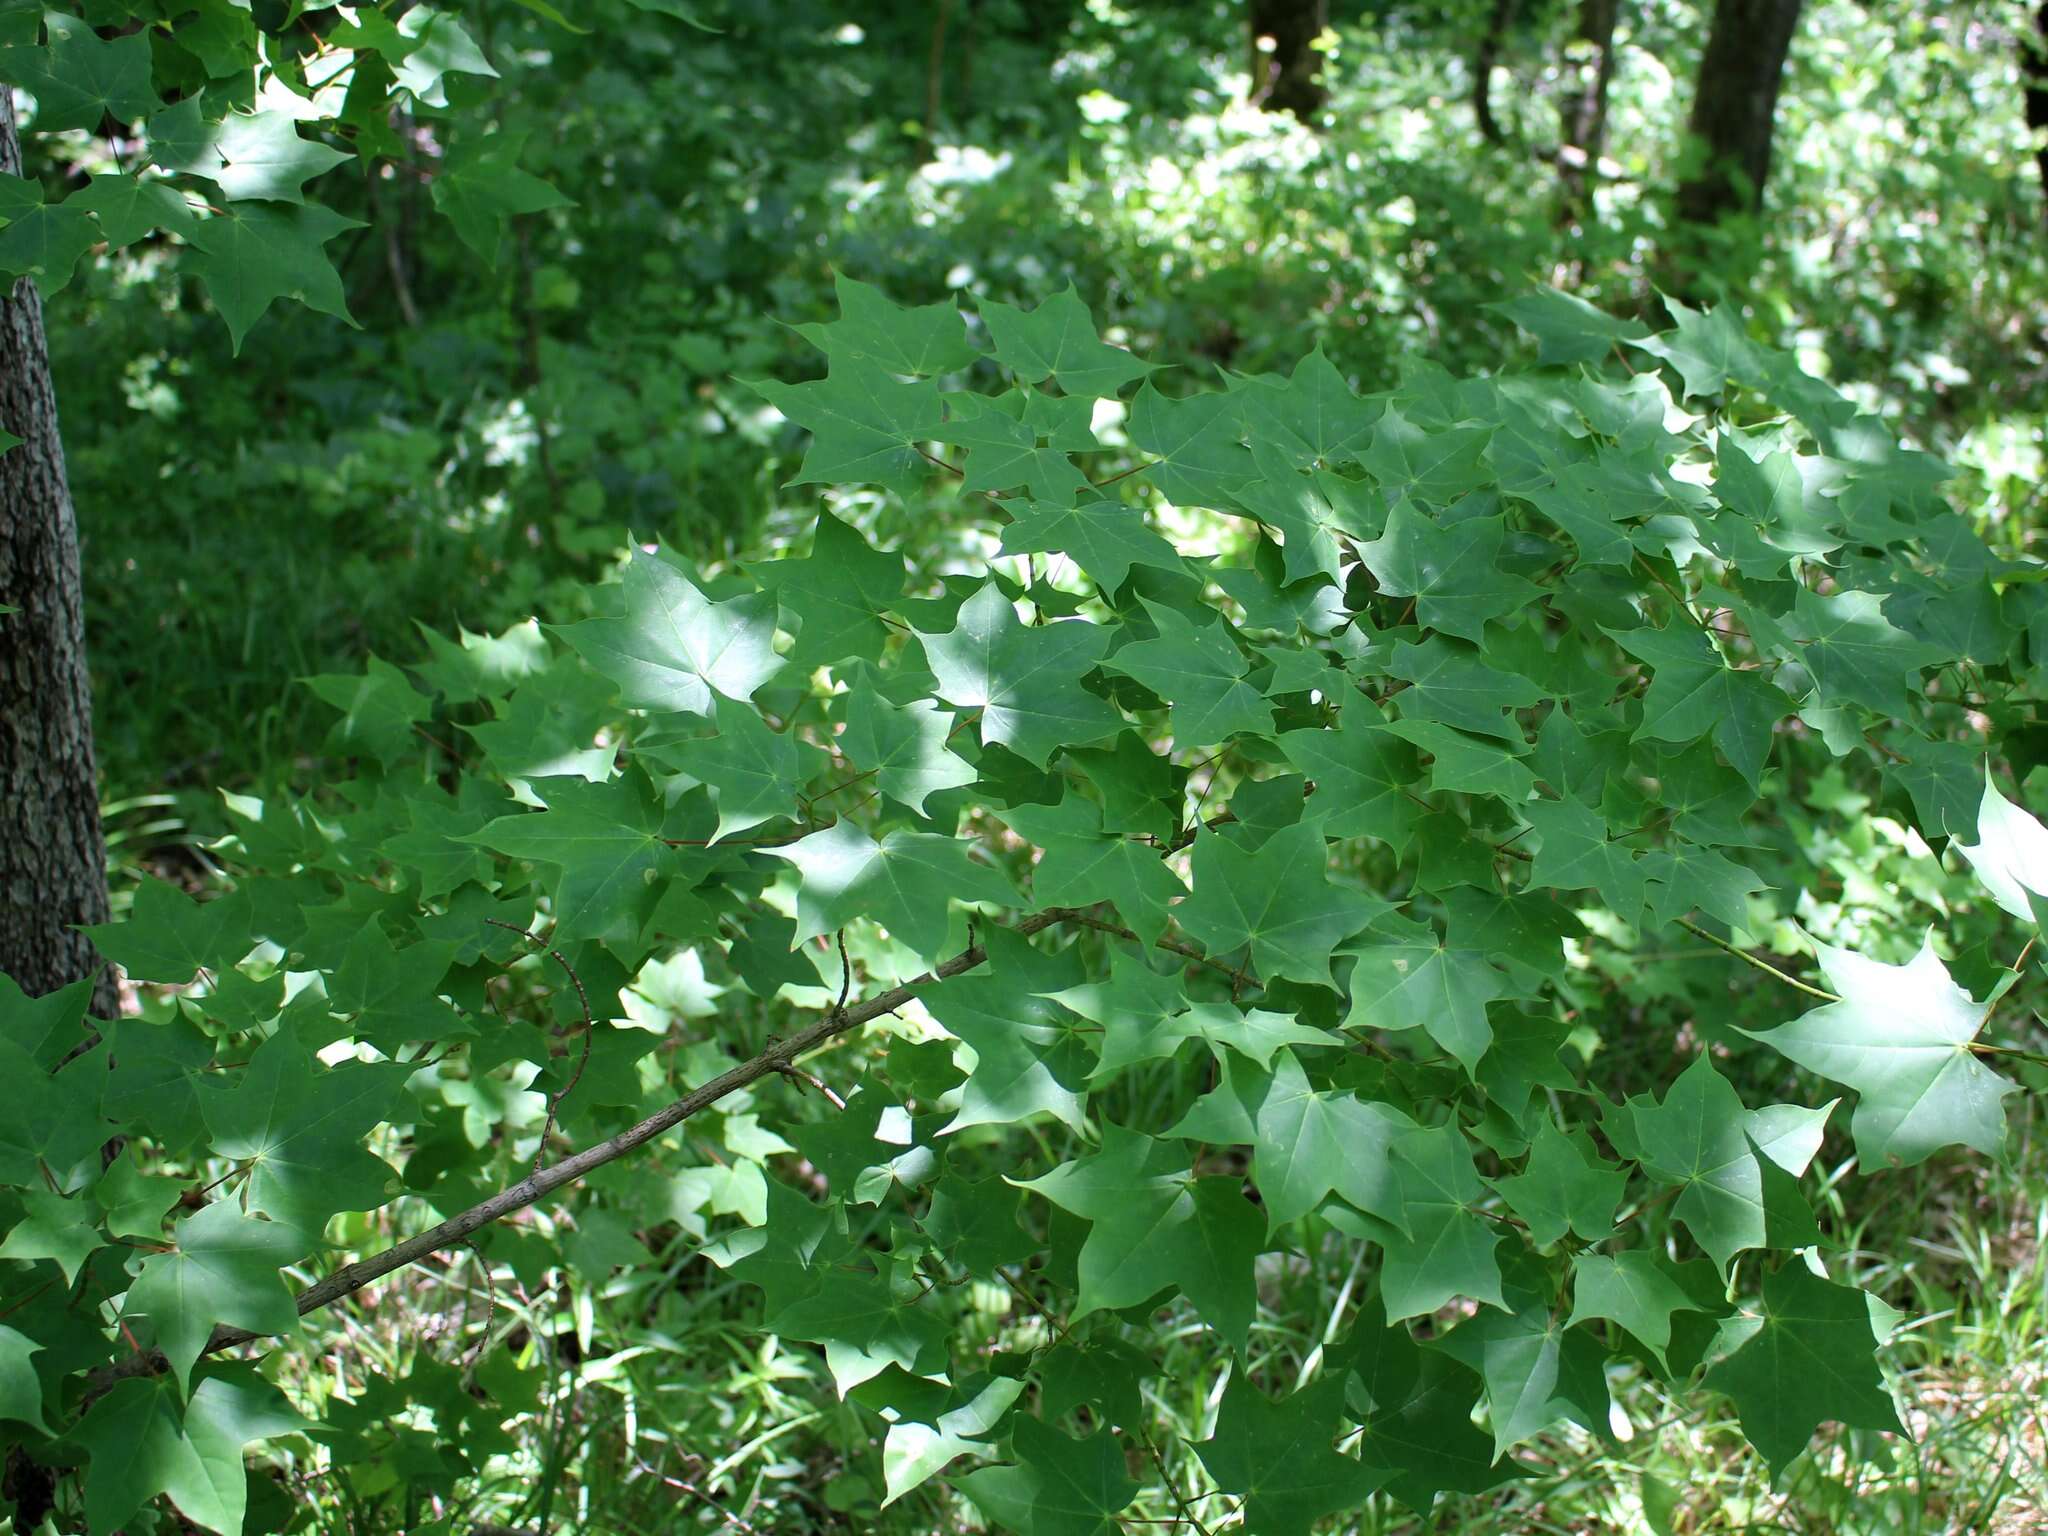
[
  {"x": 1735, "y": 107},
  {"x": 1484, "y": 60},
  {"x": 2034, "y": 70},
  {"x": 1287, "y": 68},
  {"x": 1582, "y": 109},
  {"x": 228, "y": 175},
  {"x": 53, "y": 868}
]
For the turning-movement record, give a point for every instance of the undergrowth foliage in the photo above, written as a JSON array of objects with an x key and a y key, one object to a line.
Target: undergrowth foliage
[{"x": 1001, "y": 960}]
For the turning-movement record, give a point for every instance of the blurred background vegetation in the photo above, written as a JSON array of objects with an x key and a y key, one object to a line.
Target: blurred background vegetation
[{"x": 493, "y": 436}]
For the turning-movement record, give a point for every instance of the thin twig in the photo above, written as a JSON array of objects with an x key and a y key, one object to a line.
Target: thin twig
[
  {"x": 351, "y": 1278},
  {"x": 589, "y": 1029},
  {"x": 1765, "y": 966}
]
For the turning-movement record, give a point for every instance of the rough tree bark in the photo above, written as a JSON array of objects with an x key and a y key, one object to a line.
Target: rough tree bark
[
  {"x": 1734, "y": 106},
  {"x": 1583, "y": 126},
  {"x": 1483, "y": 60},
  {"x": 2034, "y": 75},
  {"x": 53, "y": 861},
  {"x": 1290, "y": 78}
]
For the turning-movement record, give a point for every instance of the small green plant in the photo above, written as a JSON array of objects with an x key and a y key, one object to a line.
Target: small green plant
[{"x": 1005, "y": 964}]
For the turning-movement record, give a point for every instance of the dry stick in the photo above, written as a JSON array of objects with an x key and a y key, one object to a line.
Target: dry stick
[
  {"x": 350, "y": 1278},
  {"x": 555, "y": 1103}
]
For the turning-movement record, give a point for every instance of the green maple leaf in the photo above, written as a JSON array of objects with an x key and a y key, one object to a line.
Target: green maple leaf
[
  {"x": 155, "y": 1082},
  {"x": 300, "y": 1128},
  {"x": 1309, "y": 1144},
  {"x": 224, "y": 1270},
  {"x": 1702, "y": 1139},
  {"x": 789, "y": 1254},
  {"x": 1901, "y": 1036},
  {"x": 1146, "y": 1015},
  {"x": 1105, "y": 538},
  {"x": 1683, "y": 876},
  {"x": 256, "y": 253},
  {"x": 142, "y": 1442},
  {"x": 392, "y": 993},
  {"x": 913, "y": 1453},
  {"x": 609, "y": 841},
  {"x": 1058, "y": 340},
  {"x": 1567, "y": 329},
  {"x": 917, "y": 340},
  {"x": 837, "y": 595},
  {"x": 260, "y": 155},
  {"x": 1059, "y": 1487},
  {"x": 21, "y": 1390},
  {"x": 867, "y": 1324},
  {"x": 1425, "y": 1441},
  {"x": 44, "y": 1028},
  {"x": 380, "y": 710},
  {"x": 480, "y": 189},
  {"x": 1020, "y": 439},
  {"x": 1079, "y": 865},
  {"x": 1693, "y": 691},
  {"x": 170, "y": 938},
  {"x": 1278, "y": 900},
  {"x": 1200, "y": 458},
  {"x": 1460, "y": 765},
  {"x": 2010, "y": 855},
  {"x": 756, "y": 774},
  {"x": 1537, "y": 1372},
  {"x": 975, "y": 1223},
  {"x": 1855, "y": 653},
  {"x": 903, "y": 746},
  {"x": 1366, "y": 772},
  {"x": 42, "y": 240},
  {"x": 1575, "y": 854},
  {"x": 903, "y": 882},
  {"x": 549, "y": 725},
  {"x": 1563, "y": 1188},
  {"x": 1025, "y": 680},
  {"x": 1707, "y": 347},
  {"x": 1461, "y": 687},
  {"x": 135, "y": 1202},
  {"x": 674, "y": 648},
  {"x": 1811, "y": 1358},
  {"x": 1281, "y": 1457},
  {"x": 1593, "y": 501},
  {"x": 1155, "y": 1226},
  {"x": 1305, "y": 509},
  {"x": 866, "y": 425},
  {"x": 1773, "y": 492},
  {"x": 1420, "y": 980},
  {"x": 1436, "y": 464},
  {"x": 1029, "y": 1057},
  {"x": 434, "y": 848},
  {"x": 1448, "y": 1249},
  {"x": 1632, "y": 1289},
  {"x": 1312, "y": 413},
  {"x": 65, "y": 1231},
  {"x": 1199, "y": 670},
  {"x": 80, "y": 78}
]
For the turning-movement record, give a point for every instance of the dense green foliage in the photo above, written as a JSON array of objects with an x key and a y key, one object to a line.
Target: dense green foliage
[
  {"x": 475, "y": 451},
  {"x": 1121, "y": 922},
  {"x": 1252, "y": 844}
]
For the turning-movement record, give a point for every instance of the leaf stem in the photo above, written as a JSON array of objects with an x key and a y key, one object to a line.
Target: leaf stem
[{"x": 1765, "y": 966}]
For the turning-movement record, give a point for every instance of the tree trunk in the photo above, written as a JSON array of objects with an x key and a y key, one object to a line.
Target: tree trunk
[
  {"x": 1734, "y": 105},
  {"x": 1290, "y": 78},
  {"x": 53, "y": 862},
  {"x": 2034, "y": 75},
  {"x": 1583, "y": 129},
  {"x": 1483, "y": 61}
]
